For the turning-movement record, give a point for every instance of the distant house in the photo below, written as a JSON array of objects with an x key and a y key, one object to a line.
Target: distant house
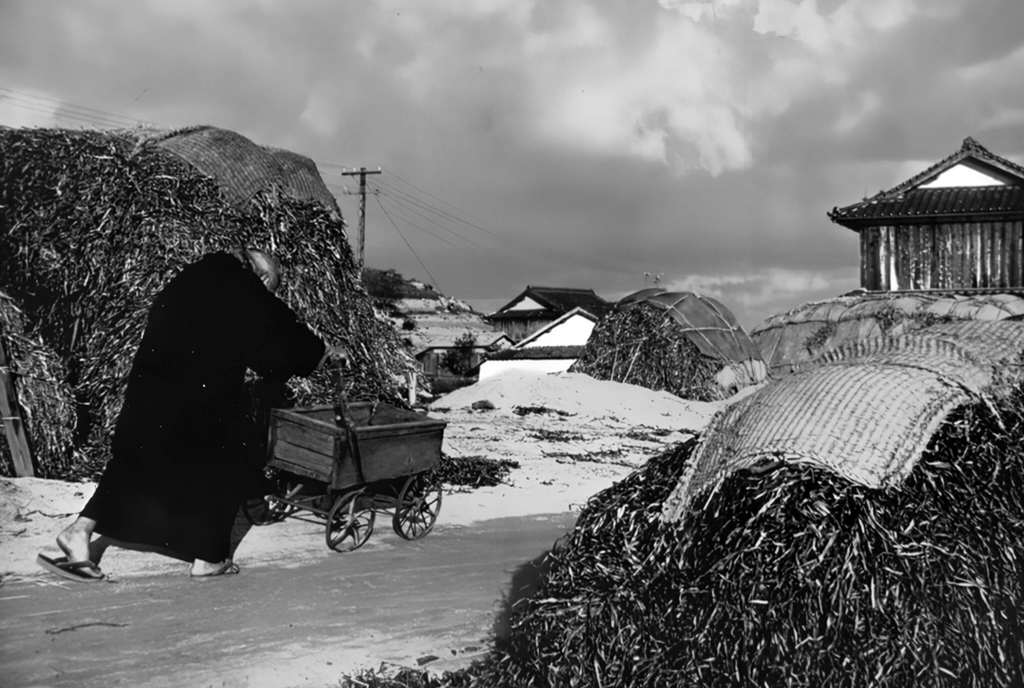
[
  {"x": 430, "y": 352},
  {"x": 537, "y": 307},
  {"x": 958, "y": 225},
  {"x": 551, "y": 349}
]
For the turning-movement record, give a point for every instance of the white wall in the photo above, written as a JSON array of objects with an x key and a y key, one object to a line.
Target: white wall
[
  {"x": 548, "y": 365},
  {"x": 573, "y": 332},
  {"x": 527, "y": 304}
]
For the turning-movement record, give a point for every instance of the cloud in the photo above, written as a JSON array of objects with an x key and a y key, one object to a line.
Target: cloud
[
  {"x": 705, "y": 10},
  {"x": 755, "y": 296},
  {"x": 600, "y": 139}
]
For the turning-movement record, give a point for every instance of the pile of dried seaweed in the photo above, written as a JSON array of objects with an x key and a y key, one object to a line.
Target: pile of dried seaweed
[
  {"x": 640, "y": 346},
  {"x": 794, "y": 577},
  {"x": 475, "y": 471},
  {"x": 409, "y": 678},
  {"x": 92, "y": 225},
  {"x": 45, "y": 401}
]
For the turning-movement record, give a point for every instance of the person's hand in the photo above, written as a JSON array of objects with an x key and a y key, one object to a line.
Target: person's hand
[{"x": 340, "y": 353}]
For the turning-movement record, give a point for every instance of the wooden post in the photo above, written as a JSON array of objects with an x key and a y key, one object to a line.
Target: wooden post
[
  {"x": 14, "y": 426},
  {"x": 362, "y": 172},
  {"x": 411, "y": 376}
]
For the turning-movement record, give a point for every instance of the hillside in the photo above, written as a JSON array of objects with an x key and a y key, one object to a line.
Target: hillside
[{"x": 423, "y": 316}]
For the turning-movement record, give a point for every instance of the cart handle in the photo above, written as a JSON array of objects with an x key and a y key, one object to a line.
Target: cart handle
[{"x": 344, "y": 421}]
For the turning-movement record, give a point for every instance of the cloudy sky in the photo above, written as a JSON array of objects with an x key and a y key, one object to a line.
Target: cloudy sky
[{"x": 580, "y": 143}]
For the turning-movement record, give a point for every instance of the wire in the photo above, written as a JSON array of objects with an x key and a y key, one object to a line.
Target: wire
[
  {"x": 60, "y": 114},
  {"x": 429, "y": 208},
  {"x": 427, "y": 193},
  {"x": 427, "y": 231},
  {"x": 434, "y": 281},
  {"x": 80, "y": 109},
  {"x": 331, "y": 164},
  {"x": 399, "y": 202}
]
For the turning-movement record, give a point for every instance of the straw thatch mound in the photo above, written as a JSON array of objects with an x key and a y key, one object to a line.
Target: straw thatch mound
[
  {"x": 876, "y": 569},
  {"x": 94, "y": 223},
  {"x": 683, "y": 343},
  {"x": 789, "y": 340}
]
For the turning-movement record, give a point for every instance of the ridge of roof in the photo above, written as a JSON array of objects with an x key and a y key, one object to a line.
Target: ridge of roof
[
  {"x": 969, "y": 149},
  {"x": 560, "y": 299},
  {"x": 572, "y": 289},
  {"x": 582, "y": 312}
]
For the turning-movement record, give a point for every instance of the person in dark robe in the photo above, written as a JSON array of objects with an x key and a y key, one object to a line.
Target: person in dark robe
[{"x": 176, "y": 477}]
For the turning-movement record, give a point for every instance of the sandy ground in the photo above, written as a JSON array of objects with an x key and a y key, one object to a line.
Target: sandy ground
[{"x": 579, "y": 437}]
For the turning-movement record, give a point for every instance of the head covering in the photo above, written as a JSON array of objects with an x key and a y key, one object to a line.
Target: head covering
[{"x": 263, "y": 265}]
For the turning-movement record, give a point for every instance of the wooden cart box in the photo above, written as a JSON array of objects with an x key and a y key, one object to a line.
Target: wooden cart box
[{"x": 391, "y": 442}]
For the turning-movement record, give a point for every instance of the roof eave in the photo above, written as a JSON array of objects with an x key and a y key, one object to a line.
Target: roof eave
[
  {"x": 522, "y": 315},
  {"x": 859, "y": 223}
]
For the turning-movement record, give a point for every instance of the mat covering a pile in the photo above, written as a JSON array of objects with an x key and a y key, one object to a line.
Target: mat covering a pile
[
  {"x": 94, "y": 223},
  {"x": 788, "y": 340},
  {"x": 874, "y": 539}
]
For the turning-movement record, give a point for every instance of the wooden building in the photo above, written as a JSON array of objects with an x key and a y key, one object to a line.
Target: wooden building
[
  {"x": 957, "y": 225},
  {"x": 537, "y": 307},
  {"x": 431, "y": 351}
]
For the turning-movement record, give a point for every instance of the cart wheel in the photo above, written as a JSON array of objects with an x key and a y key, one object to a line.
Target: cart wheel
[
  {"x": 350, "y": 522},
  {"x": 419, "y": 502}
]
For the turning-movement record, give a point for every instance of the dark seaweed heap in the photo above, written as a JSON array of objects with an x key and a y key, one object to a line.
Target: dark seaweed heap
[
  {"x": 793, "y": 577},
  {"x": 474, "y": 471},
  {"x": 92, "y": 225},
  {"x": 639, "y": 345}
]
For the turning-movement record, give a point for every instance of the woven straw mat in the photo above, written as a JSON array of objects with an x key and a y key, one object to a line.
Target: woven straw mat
[
  {"x": 866, "y": 412},
  {"x": 243, "y": 168}
]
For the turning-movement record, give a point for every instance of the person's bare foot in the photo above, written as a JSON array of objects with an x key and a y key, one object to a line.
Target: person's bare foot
[
  {"x": 74, "y": 541},
  {"x": 212, "y": 568}
]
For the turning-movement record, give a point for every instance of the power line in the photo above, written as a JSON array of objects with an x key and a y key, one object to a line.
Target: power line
[
  {"x": 81, "y": 109},
  {"x": 436, "y": 285},
  {"x": 426, "y": 231},
  {"x": 333, "y": 164},
  {"x": 436, "y": 211},
  {"x": 427, "y": 193},
  {"x": 64, "y": 113},
  {"x": 399, "y": 202}
]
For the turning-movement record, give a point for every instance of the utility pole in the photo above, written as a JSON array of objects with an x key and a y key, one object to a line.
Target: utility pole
[{"x": 362, "y": 172}]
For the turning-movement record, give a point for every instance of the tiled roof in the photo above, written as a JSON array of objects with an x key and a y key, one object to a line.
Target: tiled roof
[
  {"x": 959, "y": 201},
  {"x": 907, "y": 201},
  {"x": 450, "y": 340},
  {"x": 556, "y": 301}
]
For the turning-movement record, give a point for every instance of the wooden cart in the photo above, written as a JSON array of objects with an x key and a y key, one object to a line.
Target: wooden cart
[{"x": 346, "y": 464}]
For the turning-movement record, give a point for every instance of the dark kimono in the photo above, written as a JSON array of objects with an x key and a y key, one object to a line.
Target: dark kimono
[{"x": 177, "y": 473}]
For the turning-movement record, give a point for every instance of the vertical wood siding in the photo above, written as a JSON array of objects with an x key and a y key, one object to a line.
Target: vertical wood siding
[{"x": 943, "y": 256}]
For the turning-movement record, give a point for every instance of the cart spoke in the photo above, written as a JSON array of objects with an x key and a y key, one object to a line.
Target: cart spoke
[
  {"x": 419, "y": 503},
  {"x": 349, "y": 525}
]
